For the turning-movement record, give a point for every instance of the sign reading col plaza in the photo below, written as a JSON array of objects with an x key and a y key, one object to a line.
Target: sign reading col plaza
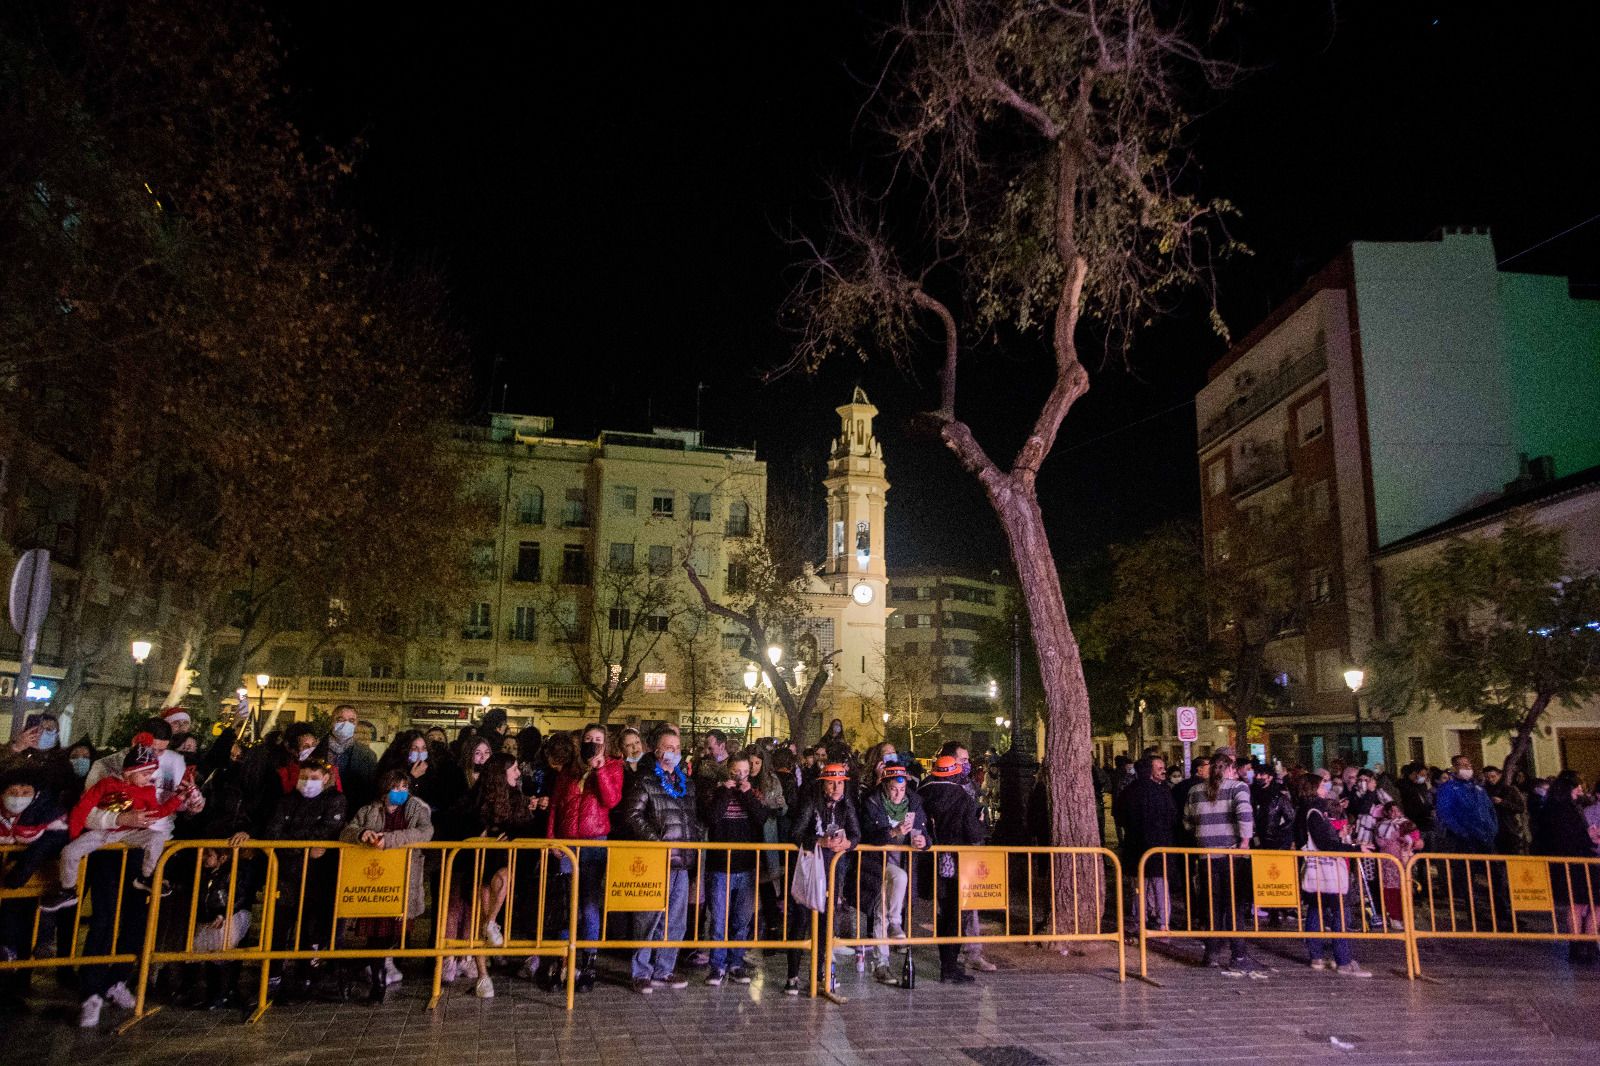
[
  {"x": 1273, "y": 879},
  {"x": 372, "y": 883},
  {"x": 982, "y": 877},
  {"x": 636, "y": 879}
]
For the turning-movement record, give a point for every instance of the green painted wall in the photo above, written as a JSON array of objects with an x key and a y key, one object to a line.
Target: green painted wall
[{"x": 1553, "y": 354}]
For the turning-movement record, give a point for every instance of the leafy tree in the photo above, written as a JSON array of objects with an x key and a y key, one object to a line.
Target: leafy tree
[
  {"x": 1039, "y": 146},
  {"x": 1495, "y": 627}
]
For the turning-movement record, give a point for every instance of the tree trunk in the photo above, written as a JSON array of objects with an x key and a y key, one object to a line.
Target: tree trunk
[
  {"x": 1068, "y": 756},
  {"x": 1524, "y": 734}
]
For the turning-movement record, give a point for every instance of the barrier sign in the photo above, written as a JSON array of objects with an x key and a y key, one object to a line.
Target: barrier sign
[
  {"x": 1274, "y": 880},
  {"x": 372, "y": 883},
  {"x": 1530, "y": 884},
  {"x": 636, "y": 879},
  {"x": 982, "y": 877}
]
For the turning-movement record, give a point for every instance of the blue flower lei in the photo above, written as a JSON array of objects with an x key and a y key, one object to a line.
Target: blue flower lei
[{"x": 673, "y": 784}]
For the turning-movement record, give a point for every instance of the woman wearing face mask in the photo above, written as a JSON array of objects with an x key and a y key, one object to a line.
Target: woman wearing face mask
[
  {"x": 36, "y": 751},
  {"x": 503, "y": 813},
  {"x": 80, "y": 757},
  {"x": 632, "y": 750},
  {"x": 394, "y": 820},
  {"x": 584, "y": 795},
  {"x": 410, "y": 752},
  {"x": 1562, "y": 830},
  {"x": 1325, "y": 881}
]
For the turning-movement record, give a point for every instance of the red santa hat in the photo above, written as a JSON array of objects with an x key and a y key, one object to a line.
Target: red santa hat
[{"x": 175, "y": 714}]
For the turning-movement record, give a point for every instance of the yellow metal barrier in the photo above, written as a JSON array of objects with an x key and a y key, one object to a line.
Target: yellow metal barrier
[
  {"x": 1074, "y": 883},
  {"x": 80, "y": 915},
  {"x": 1501, "y": 897},
  {"x": 353, "y": 882},
  {"x": 1257, "y": 881},
  {"x": 638, "y": 880}
]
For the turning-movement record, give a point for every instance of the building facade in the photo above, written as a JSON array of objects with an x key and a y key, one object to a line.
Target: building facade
[
  {"x": 1396, "y": 390},
  {"x": 939, "y": 616}
]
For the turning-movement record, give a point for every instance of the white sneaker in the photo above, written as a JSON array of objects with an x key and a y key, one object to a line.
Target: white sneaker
[
  {"x": 976, "y": 961},
  {"x": 120, "y": 996},
  {"x": 1319, "y": 964},
  {"x": 89, "y": 1013},
  {"x": 391, "y": 972},
  {"x": 484, "y": 989},
  {"x": 492, "y": 933},
  {"x": 1353, "y": 969},
  {"x": 1397, "y": 925},
  {"x": 448, "y": 974}
]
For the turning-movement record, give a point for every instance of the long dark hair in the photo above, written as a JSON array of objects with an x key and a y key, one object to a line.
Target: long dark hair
[
  {"x": 1220, "y": 765},
  {"x": 498, "y": 805},
  {"x": 397, "y": 756}
]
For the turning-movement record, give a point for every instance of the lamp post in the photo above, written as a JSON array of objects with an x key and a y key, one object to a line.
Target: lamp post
[
  {"x": 141, "y": 652},
  {"x": 1017, "y": 766},
  {"x": 752, "y": 682},
  {"x": 1354, "y": 677}
]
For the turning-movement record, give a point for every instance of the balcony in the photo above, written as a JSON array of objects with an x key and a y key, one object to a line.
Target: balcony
[
  {"x": 1265, "y": 393},
  {"x": 1258, "y": 470},
  {"x": 424, "y": 689}
]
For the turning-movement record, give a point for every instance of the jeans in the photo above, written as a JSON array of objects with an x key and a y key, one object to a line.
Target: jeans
[
  {"x": 1330, "y": 912},
  {"x": 731, "y": 898},
  {"x": 591, "y": 891},
  {"x": 657, "y": 963}
]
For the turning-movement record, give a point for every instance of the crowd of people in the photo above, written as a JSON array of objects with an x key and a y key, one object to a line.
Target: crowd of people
[
  {"x": 64, "y": 806},
  {"x": 1233, "y": 804}
]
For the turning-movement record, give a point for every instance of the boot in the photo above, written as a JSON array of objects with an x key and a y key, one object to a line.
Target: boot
[
  {"x": 586, "y": 976},
  {"x": 549, "y": 976}
]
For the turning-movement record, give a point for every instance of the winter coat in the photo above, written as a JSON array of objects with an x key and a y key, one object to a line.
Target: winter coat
[
  {"x": 299, "y": 818},
  {"x": 1318, "y": 830},
  {"x": 357, "y": 767},
  {"x": 418, "y": 830},
  {"x": 878, "y": 828},
  {"x": 90, "y": 814},
  {"x": 732, "y": 817},
  {"x": 952, "y": 814},
  {"x": 43, "y": 815},
  {"x": 1146, "y": 815},
  {"x": 1275, "y": 820},
  {"x": 582, "y": 802},
  {"x": 1511, "y": 812},
  {"x": 1466, "y": 817},
  {"x": 650, "y": 813}
]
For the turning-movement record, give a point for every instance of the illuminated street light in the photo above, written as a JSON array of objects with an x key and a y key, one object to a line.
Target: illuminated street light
[
  {"x": 752, "y": 676},
  {"x": 1354, "y": 677},
  {"x": 141, "y": 651},
  {"x": 774, "y": 655}
]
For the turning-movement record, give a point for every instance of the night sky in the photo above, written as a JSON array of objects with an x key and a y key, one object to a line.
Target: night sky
[{"x": 604, "y": 188}]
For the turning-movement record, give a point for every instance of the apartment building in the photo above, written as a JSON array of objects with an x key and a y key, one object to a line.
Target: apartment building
[
  {"x": 939, "y": 615},
  {"x": 1397, "y": 389}
]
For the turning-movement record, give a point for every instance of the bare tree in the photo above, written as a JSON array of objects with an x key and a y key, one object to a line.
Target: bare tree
[{"x": 1043, "y": 143}]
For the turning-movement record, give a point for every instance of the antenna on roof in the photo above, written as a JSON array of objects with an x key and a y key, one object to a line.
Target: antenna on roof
[{"x": 699, "y": 387}]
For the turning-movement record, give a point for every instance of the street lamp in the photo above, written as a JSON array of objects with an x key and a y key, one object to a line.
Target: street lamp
[
  {"x": 141, "y": 652},
  {"x": 752, "y": 676},
  {"x": 774, "y": 654},
  {"x": 1354, "y": 677}
]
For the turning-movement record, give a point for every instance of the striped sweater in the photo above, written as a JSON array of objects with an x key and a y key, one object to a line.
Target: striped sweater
[{"x": 1224, "y": 822}]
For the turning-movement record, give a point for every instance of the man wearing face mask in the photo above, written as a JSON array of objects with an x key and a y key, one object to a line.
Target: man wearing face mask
[
  {"x": 356, "y": 764},
  {"x": 660, "y": 805},
  {"x": 312, "y": 811},
  {"x": 580, "y": 809},
  {"x": 36, "y": 751}
]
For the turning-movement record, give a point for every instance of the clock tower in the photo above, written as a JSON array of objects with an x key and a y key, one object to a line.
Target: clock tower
[{"x": 857, "y": 491}]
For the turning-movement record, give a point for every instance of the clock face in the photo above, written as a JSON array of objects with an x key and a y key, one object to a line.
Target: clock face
[{"x": 862, "y": 594}]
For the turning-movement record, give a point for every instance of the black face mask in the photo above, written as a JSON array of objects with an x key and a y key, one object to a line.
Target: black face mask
[{"x": 589, "y": 749}]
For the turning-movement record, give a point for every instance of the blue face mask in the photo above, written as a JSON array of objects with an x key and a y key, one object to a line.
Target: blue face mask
[
  {"x": 48, "y": 739},
  {"x": 668, "y": 760},
  {"x": 398, "y": 796},
  {"x": 80, "y": 766},
  {"x": 416, "y": 756}
]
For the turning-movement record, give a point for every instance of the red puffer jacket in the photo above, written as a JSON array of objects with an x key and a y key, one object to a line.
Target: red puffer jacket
[{"x": 580, "y": 808}]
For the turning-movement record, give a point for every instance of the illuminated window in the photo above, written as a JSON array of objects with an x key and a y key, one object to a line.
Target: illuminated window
[{"x": 655, "y": 682}]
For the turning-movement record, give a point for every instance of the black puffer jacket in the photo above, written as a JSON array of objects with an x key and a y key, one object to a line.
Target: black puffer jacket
[
  {"x": 818, "y": 813},
  {"x": 650, "y": 813},
  {"x": 298, "y": 818}
]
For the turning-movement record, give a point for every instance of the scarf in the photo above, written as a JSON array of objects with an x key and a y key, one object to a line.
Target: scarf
[{"x": 896, "y": 811}]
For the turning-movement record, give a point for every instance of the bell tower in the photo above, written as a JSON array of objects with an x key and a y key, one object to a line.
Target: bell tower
[{"x": 857, "y": 491}]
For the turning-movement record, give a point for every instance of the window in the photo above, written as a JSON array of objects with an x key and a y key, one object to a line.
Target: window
[
  {"x": 1330, "y": 670},
  {"x": 655, "y": 623},
  {"x": 475, "y": 671},
  {"x": 900, "y": 593},
  {"x": 738, "y": 577},
  {"x": 524, "y": 625},
  {"x": 624, "y": 498},
  {"x": 483, "y": 560},
  {"x": 660, "y": 558},
  {"x": 655, "y": 682},
  {"x": 621, "y": 556},
  {"x": 1414, "y": 749},
  {"x": 699, "y": 507},
  {"x": 1317, "y": 500},
  {"x": 527, "y": 561},
  {"x": 1219, "y": 546},
  {"x": 333, "y": 664},
  {"x": 380, "y": 668},
  {"x": 621, "y": 618},
  {"x": 1308, "y": 420},
  {"x": 574, "y": 565},
  {"x": 661, "y": 501},
  {"x": 479, "y": 620},
  {"x": 838, "y": 539},
  {"x": 530, "y": 507},
  {"x": 738, "y": 519},
  {"x": 967, "y": 594},
  {"x": 703, "y": 560},
  {"x": 961, "y": 647},
  {"x": 1319, "y": 585},
  {"x": 1217, "y": 477},
  {"x": 574, "y": 513},
  {"x": 922, "y": 621},
  {"x": 911, "y": 648}
]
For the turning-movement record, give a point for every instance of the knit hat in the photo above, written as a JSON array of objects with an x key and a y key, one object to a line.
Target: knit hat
[
  {"x": 142, "y": 755},
  {"x": 835, "y": 771},
  {"x": 946, "y": 766},
  {"x": 175, "y": 714}
]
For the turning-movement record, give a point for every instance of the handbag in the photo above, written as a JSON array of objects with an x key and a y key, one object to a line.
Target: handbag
[
  {"x": 1325, "y": 874},
  {"x": 810, "y": 885}
]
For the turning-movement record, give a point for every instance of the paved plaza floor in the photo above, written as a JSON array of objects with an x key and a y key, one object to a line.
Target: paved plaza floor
[{"x": 1518, "y": 1004}]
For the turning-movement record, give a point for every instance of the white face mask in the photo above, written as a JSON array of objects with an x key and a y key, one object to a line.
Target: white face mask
[
  {"x": 304, "y": 753},
  {"x": 1465, "y": 773},
  {"x": 310, "y": 788},
  {"x": 344, "y": 730},
  {"x": 17, "y": 804}
]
